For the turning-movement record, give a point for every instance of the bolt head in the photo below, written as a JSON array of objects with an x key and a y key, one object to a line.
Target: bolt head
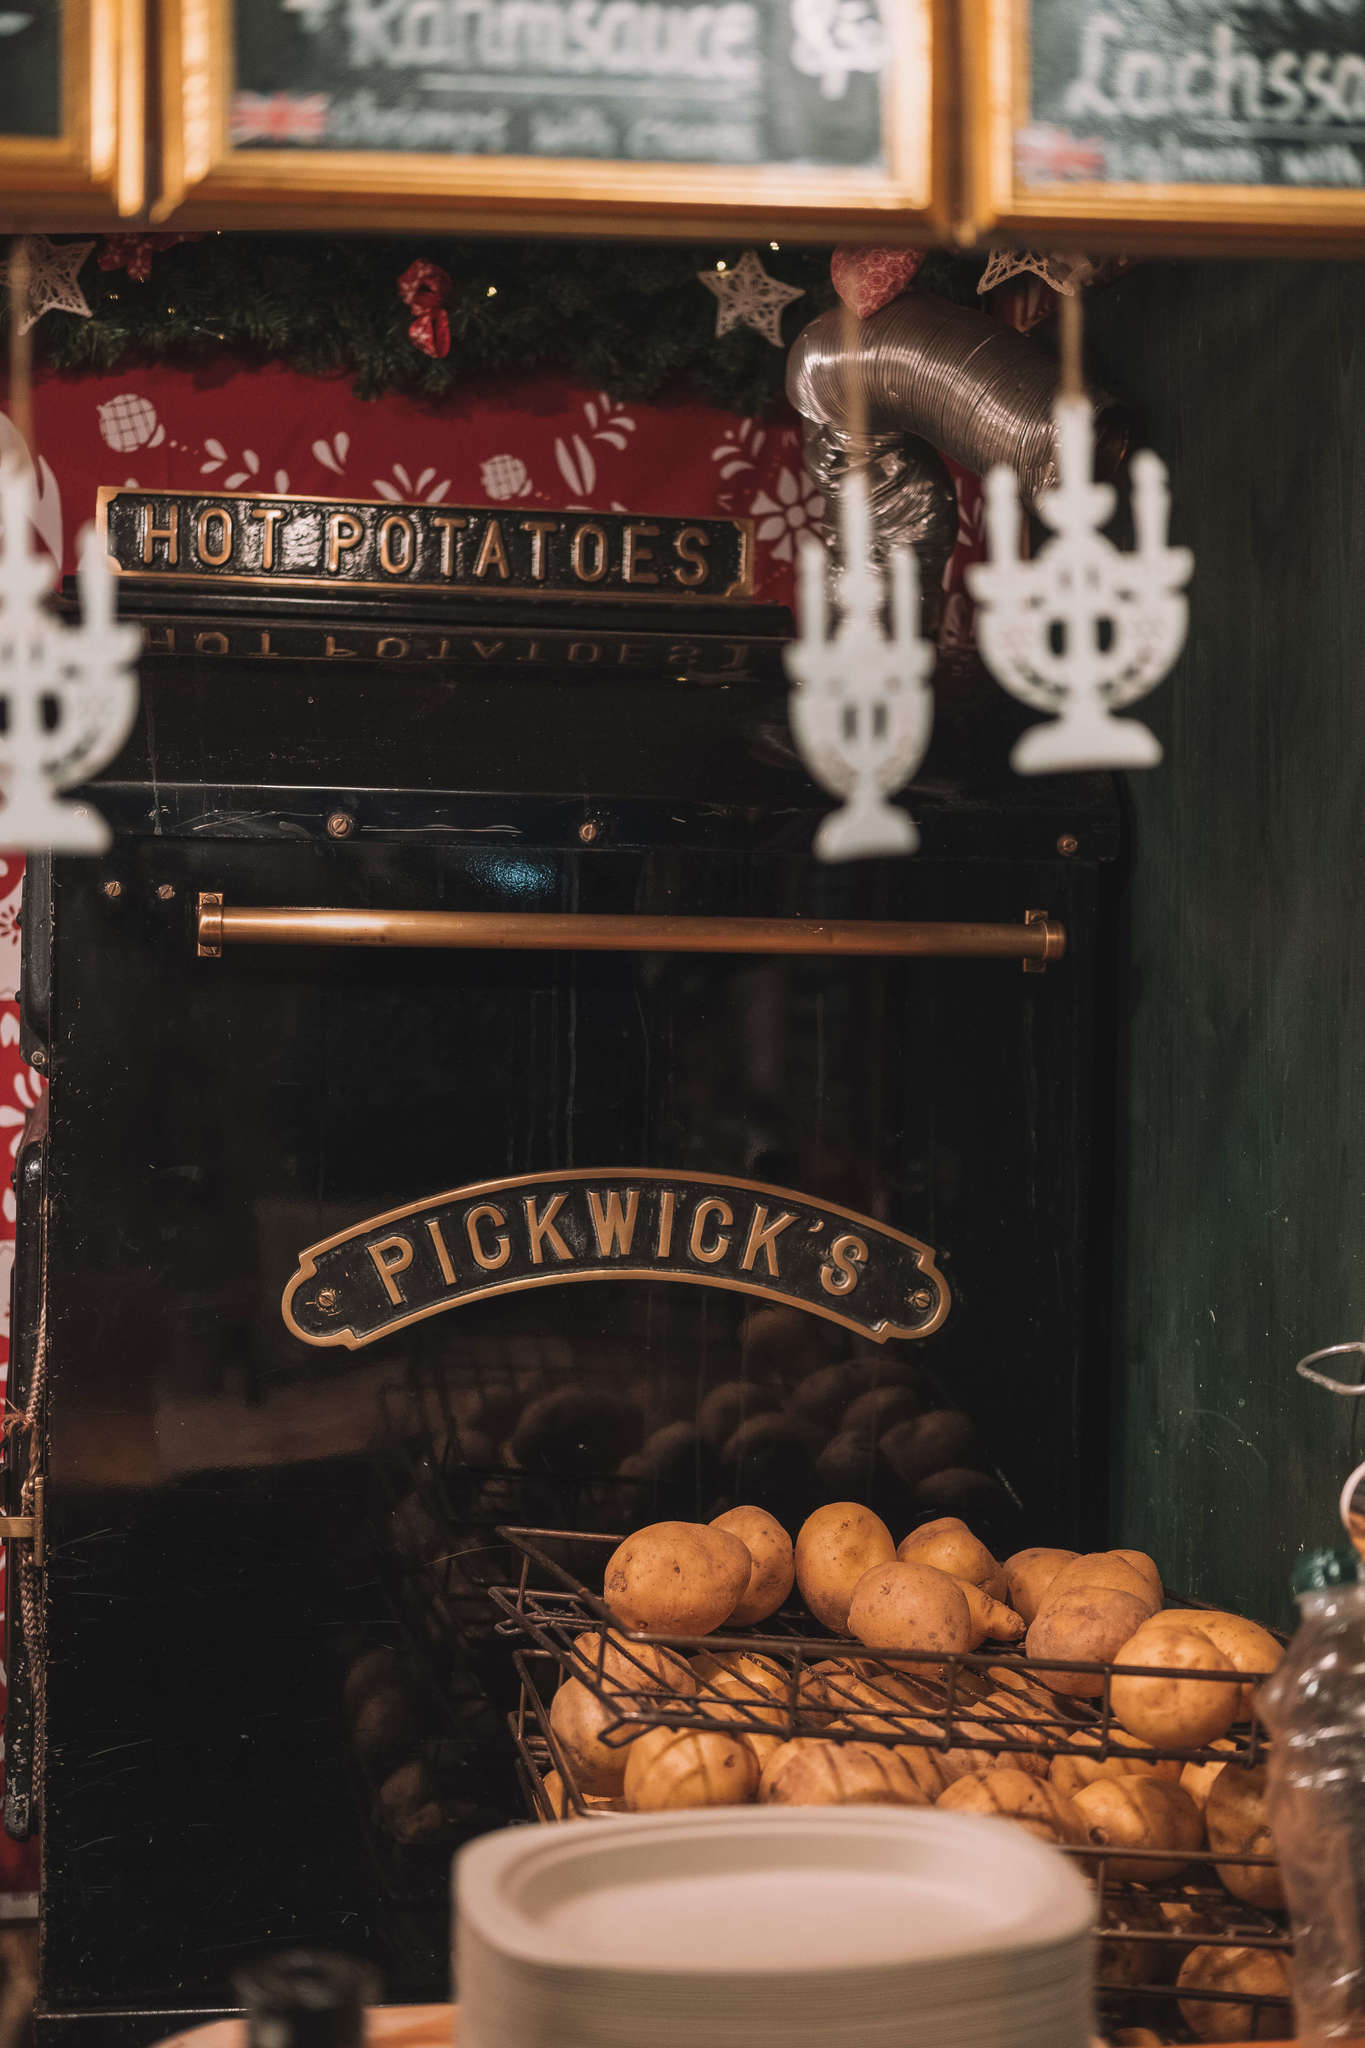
[
  {"x": 37, "y": 1058},
  {"x": 588, "y": 831},
  {"x": 340, "y": 825},
  {"x": 113, "y": 890},
  {"x": 1067, "y": 844},
  {"x": 921, "y": 1298},
  {"x": 165, "y": 890},
  {"x": 327, "y": 1299}
]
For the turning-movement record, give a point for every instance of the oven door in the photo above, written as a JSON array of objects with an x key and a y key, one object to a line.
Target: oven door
[{"x": 272, "y": 1696}]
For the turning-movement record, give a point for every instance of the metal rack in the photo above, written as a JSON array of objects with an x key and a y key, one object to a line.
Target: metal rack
[{"x": 1145, "y": 1926}]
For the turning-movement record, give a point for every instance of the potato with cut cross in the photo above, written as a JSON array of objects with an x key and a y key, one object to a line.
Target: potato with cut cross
[{"x": 670, "y": 1770}]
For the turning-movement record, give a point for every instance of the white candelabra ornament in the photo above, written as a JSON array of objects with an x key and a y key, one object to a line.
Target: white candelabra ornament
[
  {"x": 69, "y": 692},
  {"x": 861, "y": 710},
  {"x": 1083, "y": 629}
]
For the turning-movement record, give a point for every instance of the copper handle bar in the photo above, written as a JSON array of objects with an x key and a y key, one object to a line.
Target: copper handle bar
[{"x": 1036, "y": 941}]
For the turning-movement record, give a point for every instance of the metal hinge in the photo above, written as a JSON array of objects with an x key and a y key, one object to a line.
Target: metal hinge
[{"x": 27, "y": 1528}]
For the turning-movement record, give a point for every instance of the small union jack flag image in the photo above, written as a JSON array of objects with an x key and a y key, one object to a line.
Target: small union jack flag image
[
  {"x": 1049, "y": 156},
  {"x": 279, "y": 116}
]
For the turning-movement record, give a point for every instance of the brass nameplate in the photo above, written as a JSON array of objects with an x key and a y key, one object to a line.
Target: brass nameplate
[
  {"x": 619, "y": 1223},
  {"x": 350, "y": 545}
]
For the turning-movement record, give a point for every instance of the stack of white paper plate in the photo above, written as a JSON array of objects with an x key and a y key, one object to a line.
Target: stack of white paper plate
[{"x": 846, "y": 1927}]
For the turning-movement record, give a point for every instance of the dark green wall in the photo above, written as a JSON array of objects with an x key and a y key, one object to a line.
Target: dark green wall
[{"x": 1242, "y": 1148}]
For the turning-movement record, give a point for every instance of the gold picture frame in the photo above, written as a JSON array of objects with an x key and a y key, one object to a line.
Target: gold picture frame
[
  {"x": 1075, "y": 213},
  {"x": 94, "y": 170},
  {"x": 205, "y": 181}
]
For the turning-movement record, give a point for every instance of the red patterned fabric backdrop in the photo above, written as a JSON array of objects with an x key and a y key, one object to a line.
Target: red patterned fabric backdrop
[{"x": 546, "y": 442}]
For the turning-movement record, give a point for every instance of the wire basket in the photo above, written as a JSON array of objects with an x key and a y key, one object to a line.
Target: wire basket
[{"x": 965, "y": 1703}]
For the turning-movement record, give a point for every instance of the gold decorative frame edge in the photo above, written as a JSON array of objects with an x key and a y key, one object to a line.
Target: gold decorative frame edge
[
  {"x": 1192, "y": 218},
  {"x": 95, "y": 169},
  {"x": 203, "y": 180}
]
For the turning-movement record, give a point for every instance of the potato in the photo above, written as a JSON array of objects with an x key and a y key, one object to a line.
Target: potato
[
  {"x": 1140, "y": 1812},
  {"x": 1141, "y": 1562},
  {"x": 672, "y": 1768},
  {"x": 676, "y": 1578},
  {"x": 1246, "y": 1645},
  {"x": 811, "y": 1772},
  {"x": 999, "y": 1721},
  {"x": 733, "y": 1698},
  {"x": 1198, "y": 1779},
  {"x": 562, "y": 1807},
  {"x": 578, "y": 1718},
  {"x": 773, "y": 1570},
  {"x": 1259, "y": 1972},
  {"x": 732, "y": 1403},
  {"x": 817, "y": 1700},
  {"x": 1087, "y": 1625},
  {"x": 943, "y": 1439},
  {"x": 1028, "y": 1576},
  {"x": 1235, "y": 1816},
  {"x": 991, "y": 1617},
  {"x": 834, "y": 1548},
  {"x": 1174, "y": 1713},
  {"x": 949, "y": 1545},
  {"x": 763, "y": 1746},
  {"x": 623, "y": 1666},
  {"x": 910, "y": 1607},
  {"x": 1014, "y": 1678},
  {"x": 1016, "y": 1796},
  {"x": 823, "y": 1395},
  {"x": 1124, "y": 1757},
  {"x": 868, "y": 1695},
  {"x": 761, "y": 1675},
  {"x": 1120, "y": 1963},
  {"x": 1107, "y": 1569},
  {"x": 556, "y": 1795}
]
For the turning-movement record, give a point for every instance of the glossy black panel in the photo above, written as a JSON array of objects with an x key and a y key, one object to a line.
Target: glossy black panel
[{"x": 274, "y": 1695}]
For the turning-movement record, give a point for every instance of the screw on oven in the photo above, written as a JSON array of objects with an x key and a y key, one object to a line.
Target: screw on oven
[
  {"x": 340, "y": 825},
  {"x": 327, "y": 1300}
]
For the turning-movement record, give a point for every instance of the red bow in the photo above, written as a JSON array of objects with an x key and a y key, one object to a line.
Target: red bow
[
  {"x": 426, "y": 288},
  {"x": 134, "y": 253}
]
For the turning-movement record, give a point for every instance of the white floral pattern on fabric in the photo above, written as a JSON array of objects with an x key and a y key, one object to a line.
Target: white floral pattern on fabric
[
  {"x": 217, "y": 454},
  {"x": 505, "y": 476},
  {"x": 405, "y": 490},
  {"x": 129, "y": 421},
  {"x": 13, "y": 1116},
  {"x": 608, "y": 423},
  {"x": 797, "y": 509}
]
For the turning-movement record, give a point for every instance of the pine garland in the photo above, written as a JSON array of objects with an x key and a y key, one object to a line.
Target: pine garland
[{"x": 626, "y": 318}]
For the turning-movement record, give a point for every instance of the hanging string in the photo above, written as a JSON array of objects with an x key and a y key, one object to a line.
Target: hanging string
[
  {"x": 1072, "y": 325},
  {"x": 20, "y": 344}
]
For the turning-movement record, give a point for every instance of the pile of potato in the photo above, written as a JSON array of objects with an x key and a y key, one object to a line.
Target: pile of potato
[{"x": 939, "y": 1591}]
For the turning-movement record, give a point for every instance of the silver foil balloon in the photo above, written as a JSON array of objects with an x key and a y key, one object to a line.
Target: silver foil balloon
[
  {"x": 909, "y": 490},
  {"x": 924, "y": 370}
]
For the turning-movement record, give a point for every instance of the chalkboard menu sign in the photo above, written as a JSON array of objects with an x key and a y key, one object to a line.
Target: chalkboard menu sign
[
  {"x": 71, "y": 137},
  {"x": 680, "y": 116},
  {"x": 31, "y": 70},
  {"x": 1212, "y": 122}
]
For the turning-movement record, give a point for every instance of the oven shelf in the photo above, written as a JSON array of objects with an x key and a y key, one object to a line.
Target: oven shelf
[{"x": 550, "y": 1606}]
